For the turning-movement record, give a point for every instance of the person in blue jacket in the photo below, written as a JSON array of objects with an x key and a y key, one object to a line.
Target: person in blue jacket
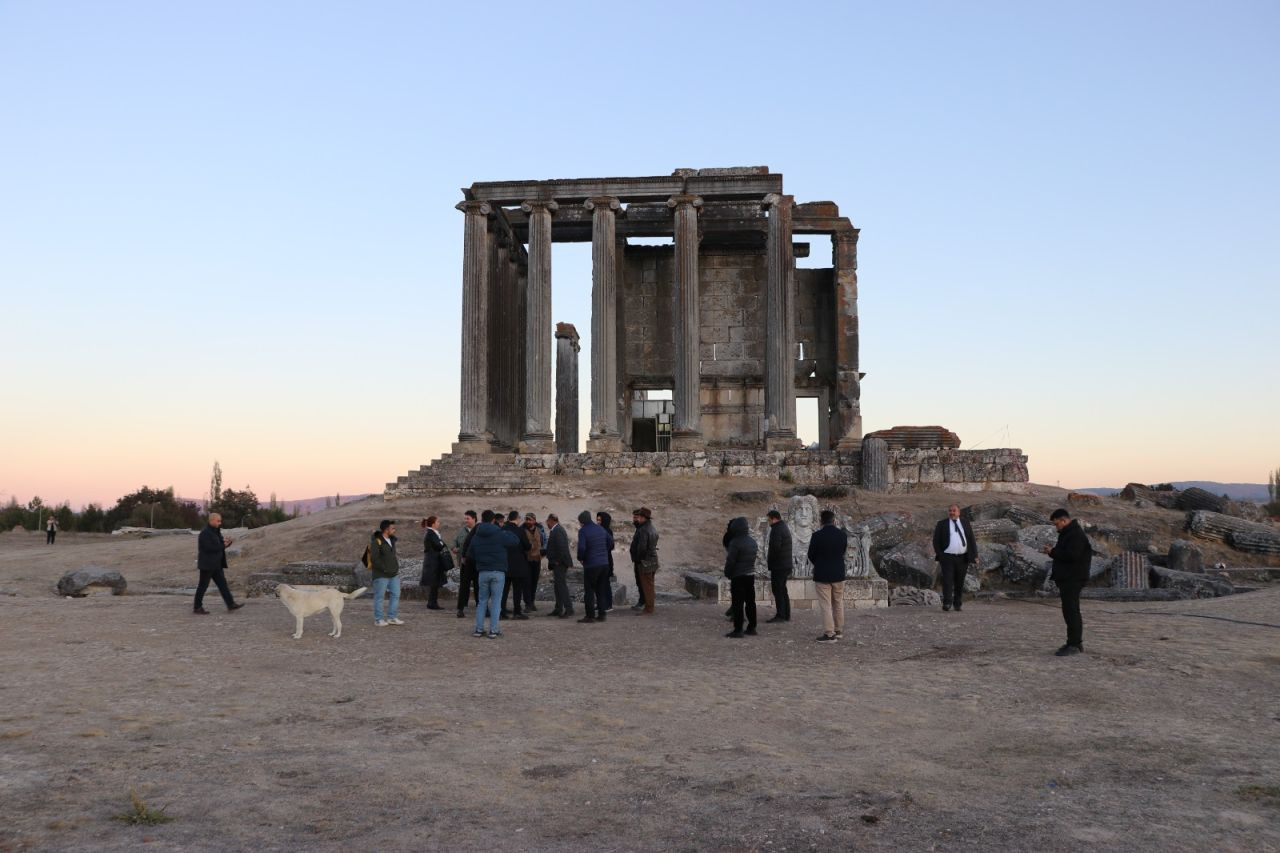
[
  {"x": 595, "y": 544},
  {"x": 488, "y": 552}
]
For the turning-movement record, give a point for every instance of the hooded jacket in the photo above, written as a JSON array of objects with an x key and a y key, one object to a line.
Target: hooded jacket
[
  {"x": 826, "y": 552},
  {"x": 779, "y": 556},
  {"x": 1072, "y": 555},
  {"x": 595, "y": 544},
  {"x": 740, "y": 554},
  {"x": 488, "y": 548}
]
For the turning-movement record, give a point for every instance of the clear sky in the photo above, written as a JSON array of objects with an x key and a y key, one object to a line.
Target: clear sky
[{"x": 227, "y": 228}]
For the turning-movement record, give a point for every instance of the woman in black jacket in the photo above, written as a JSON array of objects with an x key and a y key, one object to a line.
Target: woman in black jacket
[
  {"x": 740, "y": 569},
  {"x": 434, "y": 556}
]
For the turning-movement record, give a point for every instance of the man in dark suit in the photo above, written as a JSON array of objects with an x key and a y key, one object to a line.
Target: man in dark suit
[
  {"x": 1072, "y": 557},
  {"x": 780, "y": 561},
  {"x": 517, "y": 566},
  {"x": 211, "y": 560},
  {"x": 559, "y": 559},
  {"x": 954, "y": 548},
  {"x": 827, "y": 549}
]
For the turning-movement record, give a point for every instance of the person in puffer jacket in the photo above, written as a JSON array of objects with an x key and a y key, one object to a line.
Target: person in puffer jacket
[
  {"x": 740, "y": 569},
  {"x": 595, "y": 544}
]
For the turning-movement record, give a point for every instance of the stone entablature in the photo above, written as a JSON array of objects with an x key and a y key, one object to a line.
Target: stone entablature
[{"x": 960, "y": 470}]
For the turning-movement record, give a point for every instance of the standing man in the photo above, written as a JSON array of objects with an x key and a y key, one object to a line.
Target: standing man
[
  {"x": 466, "y": 566},
  {"x": 826, "y": 551},
  {"x": 559, "y": 559},
  {"x": 740, "y": 569},
  {"x": 954, "y": 548},
  {"x": 781, "y": 563},
  {"x": 50, "y": 530},
  {"x": 537, "y": 545},
  {"x": 595, "y": 544},
  {"x": 211, "y": 560},
  {"x": 517, "y": 566},
  {"x": 436, "y": 561},
  {"x": 385, "y": 566},
  {"x": 1071, "y": 558},
  {"x": 644, "y": 556},
  {"x": 487, "y": 551}
]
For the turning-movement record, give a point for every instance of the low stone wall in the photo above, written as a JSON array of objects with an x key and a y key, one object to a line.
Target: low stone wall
[{"x": 961, "y": 470}]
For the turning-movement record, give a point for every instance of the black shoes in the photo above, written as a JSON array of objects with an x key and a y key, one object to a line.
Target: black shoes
[
  {"x": 554, "y": 613},
  {"x": 946, "y": 607},
  {"x": 586, "y": 620},
  {"x": 200, "y": 611},
  {"x": 434, "y": 607},
  {"x": 520, "y": 616},
  {"x": 235, "y": 606},
  {"x": 1068, "y": 650},
  {"x": 776, "y": 619},
  {"x": 462, "y": 614},
  {"x": 735, "y": 635},
  {"x": 751, "y": 632},
  {"x": 568, "y": 614}
]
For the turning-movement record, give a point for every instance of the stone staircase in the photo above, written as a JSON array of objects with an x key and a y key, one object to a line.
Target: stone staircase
[{"x": 466, "y": 472}]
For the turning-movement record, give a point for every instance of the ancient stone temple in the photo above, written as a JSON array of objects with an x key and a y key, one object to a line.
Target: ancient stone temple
[
  {"x": 720, "y": 319},
  {"x": 699, "y": 348}
]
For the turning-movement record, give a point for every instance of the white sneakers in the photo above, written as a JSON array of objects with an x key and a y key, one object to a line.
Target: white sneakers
[
  {"x": 395, "y": 621},
  {"x": 381, "y": 623}
]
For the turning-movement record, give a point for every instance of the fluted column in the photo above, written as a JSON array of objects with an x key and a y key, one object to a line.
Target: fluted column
[
  {"x": 686, "y": 432},
  {"x": 566, "y": 388},
  {"x": 780, "y": 328},
  {"x": 537, "y": 436},
  {"x": 847, "y": 410},
  {"x": 604, "y": 325},
  {"x": 474, "y": 433}
]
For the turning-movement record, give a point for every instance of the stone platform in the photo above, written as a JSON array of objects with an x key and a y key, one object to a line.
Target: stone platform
[{"x": 1002, "y": 469}]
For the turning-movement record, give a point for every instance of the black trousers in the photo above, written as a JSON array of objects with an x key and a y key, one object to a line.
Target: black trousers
[
  {"x": 531, "y": 585},
  {"x": 953, "y": 568},
  {"x": 564, "y": 603},
  {"x": 781, "y": 598},
  {"x": 518, "y": 585},
  {"x": 48, "y": 536},
  {"x": 595, "y": 583},
  {"x": 1070, "y": 593},
  {"x": 467, "y": 582},
  {"x": 220, "y": 580},
  {"x": 742, "y": 593}
]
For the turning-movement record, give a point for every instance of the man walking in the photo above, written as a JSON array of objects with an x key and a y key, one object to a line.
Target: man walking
[
  {"x": 780, "y": 562},
  {"x": 954, "y": 548},
  {"x": 466, "y": 567},
  {"x": 517, "y": 566},
  {"x": 559, "y": 559},
  {"x": 385, "y": 566},
  {"x": 644, "y": 556},
  {"x": 1071, "y": 558},
  {"x": 595, "y": 544},
  {"x": 740, "y": 569},
  {"x": 826, "y": 551},
  {"x": 488, "y": 553},
  {"x": 211, "y": 560}
]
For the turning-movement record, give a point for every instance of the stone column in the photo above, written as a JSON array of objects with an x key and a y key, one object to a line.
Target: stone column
[
  {"x": 536, "y": 430},
  {"x": 567, "y": 349},
  {"x": 474, "y": 435},
  {"x": 686, "y": 430},
  {"x": 780, "y": 328},
  {"x": 604, "y": 435},
  {"x": 504, "y": 310},
  {"x": 848, "y": 405}
]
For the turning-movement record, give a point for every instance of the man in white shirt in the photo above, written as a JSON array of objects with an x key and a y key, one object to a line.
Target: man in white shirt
[{"x": 954, "y": 548}]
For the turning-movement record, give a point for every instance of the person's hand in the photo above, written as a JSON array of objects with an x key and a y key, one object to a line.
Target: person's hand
[
  {"x": 226, "y": 543},
  {"x": 1045, "y": 549}
]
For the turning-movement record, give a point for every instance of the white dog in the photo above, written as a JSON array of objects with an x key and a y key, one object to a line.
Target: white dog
[{"x": 302, "y": 602}]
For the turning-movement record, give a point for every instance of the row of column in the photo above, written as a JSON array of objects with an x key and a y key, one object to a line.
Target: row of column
[{"x": 480, "y": 256}]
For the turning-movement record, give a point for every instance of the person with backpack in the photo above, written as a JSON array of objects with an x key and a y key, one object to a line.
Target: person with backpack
[{"x": 385, "y": 566}]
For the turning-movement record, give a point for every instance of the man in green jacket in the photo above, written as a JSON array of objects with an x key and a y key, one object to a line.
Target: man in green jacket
[{"x": 386, "y": 573}]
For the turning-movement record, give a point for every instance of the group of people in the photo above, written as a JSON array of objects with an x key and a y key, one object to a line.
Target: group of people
[{"x": 499, "y": 559}]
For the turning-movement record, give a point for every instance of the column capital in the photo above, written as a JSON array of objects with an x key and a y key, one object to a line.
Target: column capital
[
  {"x": 604, "y": 202},
  {"x": 477, "y": 207},
  {"x": 777, "y": 199},
  {"x": 677, "y": 201},
  {"x": 528, "y": 205}
]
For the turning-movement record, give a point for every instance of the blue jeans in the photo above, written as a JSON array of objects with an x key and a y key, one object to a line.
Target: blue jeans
[
  {"x": 380, "y": 587},
  {"x": 491, "y": 584}
]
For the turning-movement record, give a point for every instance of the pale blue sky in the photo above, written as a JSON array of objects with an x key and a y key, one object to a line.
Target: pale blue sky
[{"x": 225, "y": 227}]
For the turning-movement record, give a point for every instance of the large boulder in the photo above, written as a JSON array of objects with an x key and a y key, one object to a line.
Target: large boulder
[
  {"x": 1000, "y": 530},
  {"x": 1025, "y": 565},
  {"x": 991, "y": 557},
  {"x": 1167, "y": 498},
  {"x": 913, "y": 596},
  {"x": 1038, "y": 535},
  {"x": 1191, "y": 584},
  {"x": 911, "y": 564},
  {"x": 79, "y": 582},
  {"x": 1023, "y": 516},
  {"x": 989, "y": 511},
  {"x": 1185, "y": 557},
  {"x": 885, "y": 532},
  {"x": 1122, "y": 538}
]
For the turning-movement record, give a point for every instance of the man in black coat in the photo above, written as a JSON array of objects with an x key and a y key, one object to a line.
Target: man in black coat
[
  {"x": 1071, "y": 558},
  {"x": 827, "y": 548},
  {"x": 559, "y": 560},
  {"x": 211, "y": 560},
  {"x": 740, "y": 569},
  {"x": 780, "y": 563},
  {"x": 517, "y": 566},
  {"x": 954, "y": 548},
  {"x": 644, "y": 558}
]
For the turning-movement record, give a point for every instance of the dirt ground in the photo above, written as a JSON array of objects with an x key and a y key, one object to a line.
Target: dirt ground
[{"x": 923, "y": 730}]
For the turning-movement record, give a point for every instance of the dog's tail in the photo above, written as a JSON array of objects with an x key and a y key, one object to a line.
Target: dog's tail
[{"x": 359, "y": 592}]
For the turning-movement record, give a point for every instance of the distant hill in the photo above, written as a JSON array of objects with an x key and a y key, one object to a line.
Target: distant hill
[{"x": 1256, "y": 492}]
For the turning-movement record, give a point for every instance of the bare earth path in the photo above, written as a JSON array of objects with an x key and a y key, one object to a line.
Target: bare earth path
[{"x": 937, "y": 731}]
